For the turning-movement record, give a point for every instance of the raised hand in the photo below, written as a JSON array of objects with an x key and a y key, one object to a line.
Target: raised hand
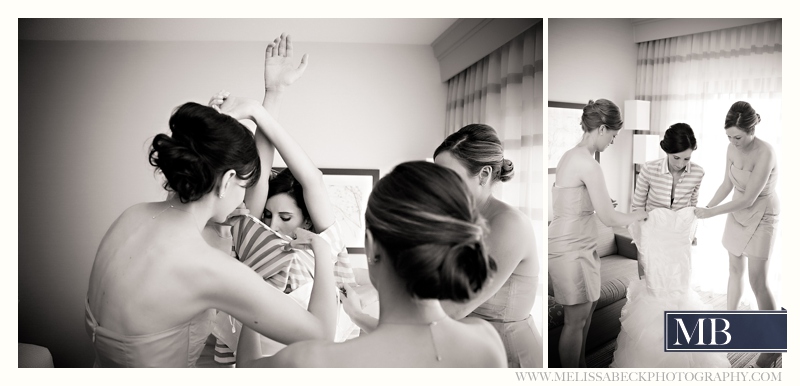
[
  {"x": 238, "y": 108},
  {"x": 279, "y": 71}
]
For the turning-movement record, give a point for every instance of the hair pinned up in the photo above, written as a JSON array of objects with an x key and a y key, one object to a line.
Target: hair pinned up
[
  {"x": 203, "y": 146},
  {"x": 423, "y": 216},
  {"x": 476, "y": 146},
  {"x": 743, "y": 116},
  {"x": 600, "y": 112},
  {"x": 679, "y": 137}
]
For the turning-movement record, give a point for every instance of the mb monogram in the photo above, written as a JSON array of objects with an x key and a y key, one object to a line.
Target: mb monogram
[{"x": 725, "y": 331}]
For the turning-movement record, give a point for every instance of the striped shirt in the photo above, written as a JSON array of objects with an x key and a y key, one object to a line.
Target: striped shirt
[
  {"x": 286, "y": 270},
  {"x": 654, "y": 186}
]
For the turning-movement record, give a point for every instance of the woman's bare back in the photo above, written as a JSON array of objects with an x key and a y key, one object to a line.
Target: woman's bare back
[
  {"x": 141, "y": 281},
  {"x": 470, "y": 342}
]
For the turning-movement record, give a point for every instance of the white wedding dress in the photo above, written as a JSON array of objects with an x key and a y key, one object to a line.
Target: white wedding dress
[{"x": 664, "y": 241}]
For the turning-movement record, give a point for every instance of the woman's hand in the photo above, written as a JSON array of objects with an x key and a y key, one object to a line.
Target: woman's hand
[
  {"x": 279, "y": 71},
  {"x": 702, "y": 213},
  {"x": 238, "y": 108},
  {"x": 305, "y": 239},
  {"x": 351, "y": 301},
  {"x": 642, "y": 215}
]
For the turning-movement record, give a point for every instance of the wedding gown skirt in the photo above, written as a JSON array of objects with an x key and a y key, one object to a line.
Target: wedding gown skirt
[{"x": 664, "y": 241}]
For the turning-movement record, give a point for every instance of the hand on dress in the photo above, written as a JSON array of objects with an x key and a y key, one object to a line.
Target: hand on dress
[
  {"x": 351, "y": 301},
  {"x": 642, "y": 215},
  {"x": 238, "y": 108},
  {"x": 305, "y": 239},
  {"x": 279, "y": 71},
  {"x": 702, "y": 213}
]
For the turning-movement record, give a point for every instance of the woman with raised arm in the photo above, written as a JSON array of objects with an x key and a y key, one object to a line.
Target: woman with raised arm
[
  {"x": 475, "y": 153},
  {"x": 296, "y": 199},
  {"x": 751, "y": 171},
  {"x": 155, "y": 280},
  {"x": 578, "y": 193},
  {"x": 424, "y": 243}
]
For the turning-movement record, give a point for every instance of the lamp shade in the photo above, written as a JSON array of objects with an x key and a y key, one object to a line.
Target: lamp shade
[
  {"x": 645, "y": 148},
  {"x": 637, "y": 115}
]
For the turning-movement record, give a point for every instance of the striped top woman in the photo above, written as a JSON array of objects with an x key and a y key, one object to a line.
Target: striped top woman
[{"x": 672, "y": 182}]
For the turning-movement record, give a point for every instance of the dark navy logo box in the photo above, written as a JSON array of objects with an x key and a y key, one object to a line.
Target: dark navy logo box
[{"x": 725, "y": 331}]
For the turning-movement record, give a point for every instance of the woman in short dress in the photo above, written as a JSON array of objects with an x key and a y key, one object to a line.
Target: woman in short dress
[
  {"x": 580, "y": 191},
  {"x": 476, "y": 153},
  {"x": 752, "y": 172}
]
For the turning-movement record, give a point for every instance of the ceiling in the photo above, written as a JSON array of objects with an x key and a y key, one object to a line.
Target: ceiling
[{"x": 383, "y": 31}]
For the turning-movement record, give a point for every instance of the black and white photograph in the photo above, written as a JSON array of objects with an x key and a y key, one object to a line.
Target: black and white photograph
[
  {"x": 336, "y": 193},
  {"x": 663, "y": 147}
]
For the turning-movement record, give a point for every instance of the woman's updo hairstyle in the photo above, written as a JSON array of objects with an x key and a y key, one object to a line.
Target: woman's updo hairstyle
[
  {"x": 743, "y": 116},
  {"x": 204, "y": 145},
  {"x": 600, "y": 112},
  {"x": 285, "y": 182},
  {"x": 679, "y": 137},
  {"x": 424, "y": 217},
  {"x": 476, "y": 146}
]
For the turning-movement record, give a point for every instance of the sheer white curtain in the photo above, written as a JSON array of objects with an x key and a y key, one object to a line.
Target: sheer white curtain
[
  {"x": 694, "y": 79},
  {"x": 504, "y": 90}
]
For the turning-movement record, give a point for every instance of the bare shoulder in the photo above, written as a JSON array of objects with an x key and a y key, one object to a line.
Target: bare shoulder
[
  {"x": 766, "y": 151},
  {"x": 488, "y": 341},
  {"x": 509, "y": 222},
  {"x": 575, "y": 166},
  {"x": 133, "y": 213}
]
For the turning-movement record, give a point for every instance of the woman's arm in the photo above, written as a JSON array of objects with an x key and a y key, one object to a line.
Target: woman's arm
[
  {"x": 764, "y": 164},
  {"x": 228, "y": 285},
  {"x": 314, "y": 190},
  {"x": 725, "y": 188},
  {"x": 354, "y": 308},
  {"x": 592, "y": 176},
  {"x": 505, "y": 248},
  {"x": 696, "y": 191},
  {"x": 642, "y": 189},
  {"x": 279, "y": 73}
]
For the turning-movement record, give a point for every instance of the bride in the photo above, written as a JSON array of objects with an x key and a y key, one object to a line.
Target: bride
[{"x": 668, "y": 189}]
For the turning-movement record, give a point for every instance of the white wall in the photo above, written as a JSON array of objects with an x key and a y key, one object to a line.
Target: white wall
[
  {"x": 88, "y": 111},
  {"x": 593, "y": 59}
]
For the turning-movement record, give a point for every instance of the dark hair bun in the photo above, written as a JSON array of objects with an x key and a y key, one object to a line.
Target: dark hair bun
[
  {"x": 742, "y": 115},
  {"x": 423, "y": 216},
  {"x": 186, "y": 173},
  {"x": 506, "y": 171},
  {"x": 475, "y": 146},
  {"x": 679, "y": 137},
  {"x": 204, "y": 145}
]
